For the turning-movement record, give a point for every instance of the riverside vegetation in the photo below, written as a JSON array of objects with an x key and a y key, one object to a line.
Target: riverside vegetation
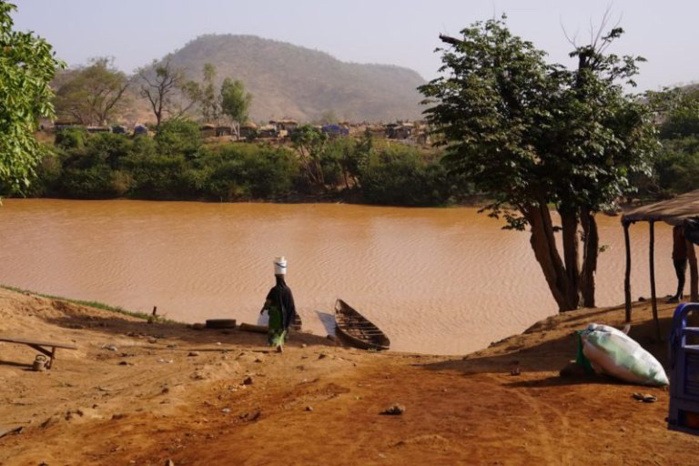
[{"x": 178, "y": 164}]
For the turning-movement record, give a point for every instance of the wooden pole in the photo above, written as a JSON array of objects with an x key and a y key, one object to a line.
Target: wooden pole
[
  {"x": 627, "y": 276},
  {"x": 651, "y": 262},
  {"x": 693, "y": 275}
]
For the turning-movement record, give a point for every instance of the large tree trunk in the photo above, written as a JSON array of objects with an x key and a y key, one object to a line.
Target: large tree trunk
[
  {"x": 590, "y": 254},
  {"x": 571, "y": 242},
  {"x": 543, "y": 243}
]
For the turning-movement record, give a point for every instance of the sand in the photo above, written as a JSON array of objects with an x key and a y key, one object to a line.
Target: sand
[{"x": 151, "y": 393}]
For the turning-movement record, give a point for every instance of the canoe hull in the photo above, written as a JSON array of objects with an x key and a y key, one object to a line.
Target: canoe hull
[{"x": 357, "y": 330}]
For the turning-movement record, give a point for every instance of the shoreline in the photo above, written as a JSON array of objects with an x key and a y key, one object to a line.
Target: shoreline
[{"x": 143, "y": 393}]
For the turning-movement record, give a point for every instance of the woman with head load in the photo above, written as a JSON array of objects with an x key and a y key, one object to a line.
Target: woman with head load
[{"x": 280, "y": 307}]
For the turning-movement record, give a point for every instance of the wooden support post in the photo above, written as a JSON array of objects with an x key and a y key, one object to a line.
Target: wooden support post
[
  {"x": 693, "y": 275},
  {"x": 627, "y": 276},
  {"x": 651, "y": 263}
]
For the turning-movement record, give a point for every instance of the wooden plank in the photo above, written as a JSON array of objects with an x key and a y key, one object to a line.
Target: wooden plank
[
  {"x": 253, "y": 328},
  {"x": 26, "y": 341},
  {"x": 41, "y": 346}
]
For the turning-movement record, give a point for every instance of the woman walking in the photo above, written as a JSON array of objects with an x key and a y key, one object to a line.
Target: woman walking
[{"x": 280, "y": 307}]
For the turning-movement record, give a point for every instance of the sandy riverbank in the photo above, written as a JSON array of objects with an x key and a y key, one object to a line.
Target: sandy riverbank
[{"x": 139, "y": 393}]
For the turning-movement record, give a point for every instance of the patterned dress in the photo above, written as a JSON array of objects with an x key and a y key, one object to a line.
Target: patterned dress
[{"x": 280, "y": 306}]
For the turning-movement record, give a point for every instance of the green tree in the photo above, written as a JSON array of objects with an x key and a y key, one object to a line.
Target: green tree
[
  {"x": 210, "y": 102},
  {"x": 204, "y": 93},
  {"x": 27, "y": 66},
  {"x": 677, "y": 165},
  {"x": 235, "y": 101},
  {"x": 310, "y": 143},
  {"x": 678, "y": 111},
  {"x": 92, "y": 95},
  {"x": 532, "y": 135},
  {"x": 400, "y": 175},
  {"x": 179, "y": 137}
]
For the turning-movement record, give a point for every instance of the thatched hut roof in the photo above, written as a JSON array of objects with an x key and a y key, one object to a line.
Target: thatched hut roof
[{"x": 672, "y": 211}]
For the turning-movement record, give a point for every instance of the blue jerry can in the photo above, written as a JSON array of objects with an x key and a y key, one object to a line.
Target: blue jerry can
[{"x": 684, "y": 372}]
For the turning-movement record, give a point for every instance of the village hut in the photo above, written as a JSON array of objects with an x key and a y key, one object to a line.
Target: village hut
[
  {"x": 207, "y": 130},
  {"x": 248, "y": 130},
  {"x": 674, "y": 212}
]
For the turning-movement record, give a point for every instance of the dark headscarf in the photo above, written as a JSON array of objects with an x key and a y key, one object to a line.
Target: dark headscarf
[{"x": 281, "y": 295}]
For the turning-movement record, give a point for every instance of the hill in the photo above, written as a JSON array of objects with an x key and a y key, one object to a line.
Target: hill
[{"x": 288, "y": 81}]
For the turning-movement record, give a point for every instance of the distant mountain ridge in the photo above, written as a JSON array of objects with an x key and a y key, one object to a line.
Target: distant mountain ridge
[{"x": 288, "y": 81}]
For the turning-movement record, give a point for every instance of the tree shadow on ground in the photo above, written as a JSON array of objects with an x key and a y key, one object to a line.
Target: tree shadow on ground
[
  {"x": 27, "y": 366},
  {"x": 546, "y": 349},
  {"x": 113, "y": 324}
]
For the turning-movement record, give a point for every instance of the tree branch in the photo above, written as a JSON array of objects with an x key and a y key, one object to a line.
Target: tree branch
[{"x": 450, "y": 40}]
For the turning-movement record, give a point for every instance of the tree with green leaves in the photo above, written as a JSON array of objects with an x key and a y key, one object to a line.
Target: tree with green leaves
[
  {"x": 310, "y": 142},
  {"x": 532, "y": 135},
  {"x": 678, "y": 111},
  {"x": 676, "y": 168},
  {"x": 235, "y": 101},
  {"x": 93, "y": 94},
  {"x": 210, "y": 102},
  {"x": 27, "y": 66}
]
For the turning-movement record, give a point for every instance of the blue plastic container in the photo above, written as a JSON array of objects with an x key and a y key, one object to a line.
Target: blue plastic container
[{"x": 684, "y": 372}]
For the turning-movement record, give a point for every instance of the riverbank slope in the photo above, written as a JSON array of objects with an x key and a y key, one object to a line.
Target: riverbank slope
[{"x": 142, "y": 393}]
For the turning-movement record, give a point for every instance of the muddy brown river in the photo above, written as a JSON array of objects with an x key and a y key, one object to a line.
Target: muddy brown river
[{"x": 440, "y": 281}]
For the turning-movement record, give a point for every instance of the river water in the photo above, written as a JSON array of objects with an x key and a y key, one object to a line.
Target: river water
[{"x": 439, "y": 281}]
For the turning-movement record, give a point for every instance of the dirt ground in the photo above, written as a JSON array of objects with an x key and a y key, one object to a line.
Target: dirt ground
[{"x": 139, "y": 393}]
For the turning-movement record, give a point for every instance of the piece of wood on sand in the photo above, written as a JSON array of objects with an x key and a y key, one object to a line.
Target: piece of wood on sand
[{"x": 253, "y": 328}]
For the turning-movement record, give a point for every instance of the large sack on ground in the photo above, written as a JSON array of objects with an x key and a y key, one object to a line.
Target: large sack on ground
[{"x": 612, "y": 352}]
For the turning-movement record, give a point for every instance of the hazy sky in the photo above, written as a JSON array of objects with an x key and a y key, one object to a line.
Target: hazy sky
[{"x": 396, "y": 32}]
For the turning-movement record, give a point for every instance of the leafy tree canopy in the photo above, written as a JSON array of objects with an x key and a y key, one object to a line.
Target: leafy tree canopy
[
  {"x": 678, "y": 110},
  {"x": 91, "y": 95},
  {"x": 677, "y": 165},
  {"x": 528, "y": 132},
  {"x": 531, "y": 134},
  {"x": 235, "y": 101},
  {"x": 27, "y": 66}
]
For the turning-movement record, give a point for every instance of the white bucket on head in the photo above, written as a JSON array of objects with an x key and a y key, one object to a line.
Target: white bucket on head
[{"x": 280, "y": 266}]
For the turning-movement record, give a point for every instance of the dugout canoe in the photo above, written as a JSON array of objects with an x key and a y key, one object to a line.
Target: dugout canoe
[{"x": 357, "y": 330}]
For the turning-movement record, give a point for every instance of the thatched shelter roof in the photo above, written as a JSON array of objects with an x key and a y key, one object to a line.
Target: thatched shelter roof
[{"x": 672, "y": 211}]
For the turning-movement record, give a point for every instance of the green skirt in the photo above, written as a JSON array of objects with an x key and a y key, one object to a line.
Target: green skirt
[{"x": 277, "y": 332}]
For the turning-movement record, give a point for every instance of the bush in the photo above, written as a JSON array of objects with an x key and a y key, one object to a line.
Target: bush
[
  {"x": 677, "y": 165},
  {"x": 48, "y": 173},
  {"x": 177, "y": 165},
  {"x": 98, "y": 182},
  {"x": 399, "y": 176},
  {"x": 244, "y": 172},
  {"x": 155, "y": 176},
  {"x": 71, "y": 138},
  {"x": 179, "y": 137},
  {"x": 108, "y": 148}
]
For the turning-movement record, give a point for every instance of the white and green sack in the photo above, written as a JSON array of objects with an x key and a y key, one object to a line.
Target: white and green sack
[{"x": 610, "y": 351}]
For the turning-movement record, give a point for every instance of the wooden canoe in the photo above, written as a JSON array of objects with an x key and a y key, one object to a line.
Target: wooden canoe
[{"x": 357, "y": 330}]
